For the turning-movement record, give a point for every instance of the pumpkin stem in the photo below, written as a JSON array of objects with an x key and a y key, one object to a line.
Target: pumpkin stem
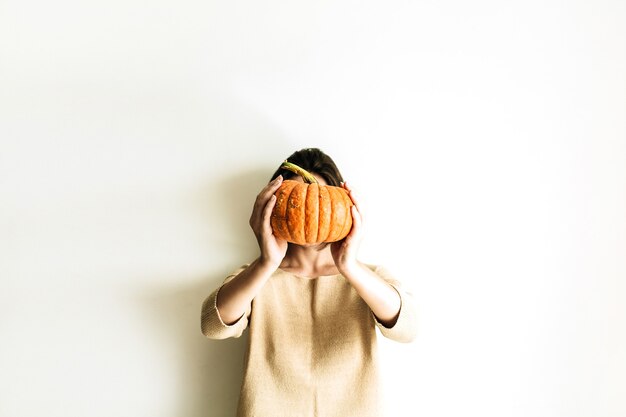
[{"x": 306, "y": 175}]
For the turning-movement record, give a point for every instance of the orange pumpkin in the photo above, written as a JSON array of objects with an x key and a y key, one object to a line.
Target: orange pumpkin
[{"x": 309, "y": 213}]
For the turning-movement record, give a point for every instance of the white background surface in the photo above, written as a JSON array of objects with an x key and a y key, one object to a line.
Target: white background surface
[{"x": 487, "y": 141}]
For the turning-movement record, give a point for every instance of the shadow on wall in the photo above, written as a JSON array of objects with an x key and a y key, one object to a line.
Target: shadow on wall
[
  {"x": 209, "y": 372},
  {"x": 228, "y": 205},
  {"x": 206, "y": 374}
]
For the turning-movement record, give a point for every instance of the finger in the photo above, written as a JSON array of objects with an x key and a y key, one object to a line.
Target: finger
[
  {"x": 272, "y": 186},
  {"x": 350, "y": 191},
  {"x": 357, "y": 222},
  {"x": 346, "y": 186},
  {"x": 267, "y": 214},
  {"x": 354, "y": 196},
  {"x": 276, "y": 181},
  {"x": 267, "y": 191}
]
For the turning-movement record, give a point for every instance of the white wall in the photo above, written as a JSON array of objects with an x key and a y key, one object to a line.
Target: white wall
[{"x": 487, "y": 140}]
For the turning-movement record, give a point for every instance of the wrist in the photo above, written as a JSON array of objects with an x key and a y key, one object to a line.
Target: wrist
[
  {"x": 267, "y": 264},
  {"x": 349, "y": 269}
]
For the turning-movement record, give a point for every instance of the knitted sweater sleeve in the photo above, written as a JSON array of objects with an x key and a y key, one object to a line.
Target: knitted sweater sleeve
[
  {"x": 211, "y": 322},
  {"x": 405, "y": 328}
]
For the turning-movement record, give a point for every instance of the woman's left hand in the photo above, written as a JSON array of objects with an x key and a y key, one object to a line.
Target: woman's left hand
[{"x": 345, "y": 251}]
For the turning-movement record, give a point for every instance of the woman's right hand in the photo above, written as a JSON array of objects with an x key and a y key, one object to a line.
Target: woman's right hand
[{"x": 273, "y": 249}]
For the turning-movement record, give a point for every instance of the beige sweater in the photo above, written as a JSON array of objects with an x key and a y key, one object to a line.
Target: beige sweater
[{"x": 311, "y": 348}]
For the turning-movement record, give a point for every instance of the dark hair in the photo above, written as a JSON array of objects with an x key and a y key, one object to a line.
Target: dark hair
[{"x": 316, "y": 162}]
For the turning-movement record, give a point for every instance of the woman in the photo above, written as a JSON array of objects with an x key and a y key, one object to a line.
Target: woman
[{"x": 312, "y": 313}]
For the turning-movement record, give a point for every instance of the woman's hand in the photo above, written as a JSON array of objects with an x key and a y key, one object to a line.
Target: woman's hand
[
  {"x": 345, "y": 251},
  {"x": 273, "y": 249},
  {"x": 235, "y": 296},
  {"x": 380, "y": 296}
]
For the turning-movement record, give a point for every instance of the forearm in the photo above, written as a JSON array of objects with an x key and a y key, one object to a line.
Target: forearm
[
  {"x": 380, "y": 296},
  {"x": 235, "y": 296}
]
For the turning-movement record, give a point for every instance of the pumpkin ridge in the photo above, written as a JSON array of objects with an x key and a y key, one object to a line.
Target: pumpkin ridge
[
  {"x": 317, "y": 229},
  {"x": 295, "y": 214},
  {"x": 287, "y": 212},
  {"x": 304, "y": 215},
  {"x": 311, "y": 213},
  {"x": 334, "y": 230},
  {"x": 341, "y": 215},
  {"x": 324, "y": 212},
  {"x": 283, "y": 201},
  {"x": 347, "y": 225},
  {"x": 344, "y": 211}
]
